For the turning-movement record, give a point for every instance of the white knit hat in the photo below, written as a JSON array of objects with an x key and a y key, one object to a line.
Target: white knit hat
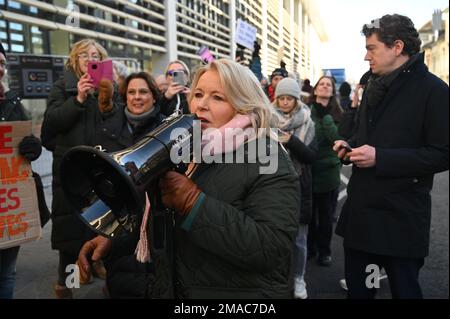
[{"x": 289, "y": 87}]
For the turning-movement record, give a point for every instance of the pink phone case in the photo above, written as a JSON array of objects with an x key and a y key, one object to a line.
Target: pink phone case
[{"x": 100, "y": 70}]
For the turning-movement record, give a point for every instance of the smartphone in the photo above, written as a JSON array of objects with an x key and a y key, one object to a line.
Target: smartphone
[
  {"x": 179, "y": 77},
  {"x": 346, "y": 146},
  {"x": 100, "y": 70}
]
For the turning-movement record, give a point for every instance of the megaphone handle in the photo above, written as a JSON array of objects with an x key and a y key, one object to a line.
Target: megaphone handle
[{"x": 158, "y": 198}]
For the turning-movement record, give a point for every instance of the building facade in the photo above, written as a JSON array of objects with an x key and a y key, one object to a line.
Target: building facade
[
  {"x": 435, "y": 44},
  {"x": 154, "y": 32}
]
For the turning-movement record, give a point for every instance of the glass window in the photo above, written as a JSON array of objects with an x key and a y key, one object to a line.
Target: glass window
[
  {"x": 14, "y": 5},
  {"x": 108, "y": 16},
  {"x": 17, "y": 48},
  {"x": 36, "y": 40},
  {"x": 15, "y": 26},
  {"x": 16, "y": 37},
  {"x": 35, "y": 29}
]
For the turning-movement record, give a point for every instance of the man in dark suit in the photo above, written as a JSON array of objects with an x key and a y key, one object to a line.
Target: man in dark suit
[{"x": 400, "y": 142}]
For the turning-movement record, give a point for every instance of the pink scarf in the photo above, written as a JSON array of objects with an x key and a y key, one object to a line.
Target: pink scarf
[
  {"x": 219, "y": 141},
  {"x": 228, "y": 137},
  {"x": 142, "y": 251}
]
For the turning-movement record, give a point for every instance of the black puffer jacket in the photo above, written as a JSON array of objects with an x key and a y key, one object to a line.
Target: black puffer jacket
[
  {"x": 11, "y": 109},
  {"x": 67, "y": 123},
  {"x": 305, "y": 155},
  {"x": 126, "y": 277},
  {"x": 169, "y": 106}
]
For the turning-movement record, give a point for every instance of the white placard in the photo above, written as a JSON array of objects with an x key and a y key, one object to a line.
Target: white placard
[{"x": 245, "y": 34}]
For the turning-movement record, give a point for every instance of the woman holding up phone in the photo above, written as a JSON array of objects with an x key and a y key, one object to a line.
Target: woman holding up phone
[
  {"x": 178, "y": 78},
  {"x": 77, "y": 114}
]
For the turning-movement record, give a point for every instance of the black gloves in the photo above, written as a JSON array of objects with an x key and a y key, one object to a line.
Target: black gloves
[
  {"x": 30, "y": 147},
  {"x": 321, "y": 110}
]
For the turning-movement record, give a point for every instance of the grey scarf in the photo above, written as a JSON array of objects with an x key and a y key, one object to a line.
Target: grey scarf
[
  {"x": 298, "y": 123},
  {"x": 136, "y": 120}
]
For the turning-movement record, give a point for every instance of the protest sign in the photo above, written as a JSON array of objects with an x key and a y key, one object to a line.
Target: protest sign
[
  {"x": 245, "y": 34},
  {"x": 19, "y": 212},
  {"x": 205, "y": 54}
]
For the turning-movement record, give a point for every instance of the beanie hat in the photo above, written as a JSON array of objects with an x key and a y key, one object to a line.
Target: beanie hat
[
  {"x": 2, "y": 50},
  {"x": 289, "y": 87},
  {"x": 279, "y": 71}
]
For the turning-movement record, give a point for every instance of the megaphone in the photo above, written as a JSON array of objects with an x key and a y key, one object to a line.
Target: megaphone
[{"x": 107, "y": 189}]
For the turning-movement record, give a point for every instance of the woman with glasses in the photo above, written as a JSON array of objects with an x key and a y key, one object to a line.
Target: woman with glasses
[
  {"x": 77, "y": 114},
  {"x": 175, "y": 97}
]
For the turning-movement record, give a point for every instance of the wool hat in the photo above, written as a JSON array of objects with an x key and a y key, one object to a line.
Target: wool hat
[
  {"x": 279, "y": 71},
  {"x": 2, "y": 50},
  {"x": 289, "y": 87}
]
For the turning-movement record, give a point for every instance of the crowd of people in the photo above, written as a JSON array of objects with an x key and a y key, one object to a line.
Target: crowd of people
[{"x": 229, "y": 231}]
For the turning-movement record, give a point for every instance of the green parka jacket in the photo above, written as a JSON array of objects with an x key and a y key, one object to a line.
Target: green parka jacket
[{"x": 237, "y": 241}]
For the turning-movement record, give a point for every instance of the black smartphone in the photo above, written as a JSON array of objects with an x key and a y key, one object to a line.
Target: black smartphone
[{"x": 347, "y": 147}]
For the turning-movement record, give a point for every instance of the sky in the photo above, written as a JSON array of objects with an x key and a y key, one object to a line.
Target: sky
[{"x": 343, "y": 20}]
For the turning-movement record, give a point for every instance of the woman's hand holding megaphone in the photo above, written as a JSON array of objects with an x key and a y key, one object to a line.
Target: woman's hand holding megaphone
[
  {"x": 178, "y": 192},
  {"x": 97, "y": 248}
]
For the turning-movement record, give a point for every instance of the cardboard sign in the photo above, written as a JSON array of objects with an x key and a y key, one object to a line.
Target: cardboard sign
[
  {"x": 245, "y": 34},
  {"x": 19, "y": 210}
]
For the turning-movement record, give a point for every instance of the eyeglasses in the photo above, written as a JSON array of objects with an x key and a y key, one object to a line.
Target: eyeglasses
[
  {"x": 85, "y": 56},
  {"x": 171, "y": 72}
]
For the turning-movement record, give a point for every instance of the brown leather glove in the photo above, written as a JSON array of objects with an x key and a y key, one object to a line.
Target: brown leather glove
[
  {"x": 105, "y": 94},
  {"x": 178, "y": 192}
]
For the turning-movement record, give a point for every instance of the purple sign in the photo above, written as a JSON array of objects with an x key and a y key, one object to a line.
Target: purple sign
[{"x": 205, "y": 54}]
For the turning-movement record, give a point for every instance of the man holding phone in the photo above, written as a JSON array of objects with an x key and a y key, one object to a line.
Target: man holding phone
[
  {"x": 175, "y": 97},
  {"x": 400, "y": 142}
]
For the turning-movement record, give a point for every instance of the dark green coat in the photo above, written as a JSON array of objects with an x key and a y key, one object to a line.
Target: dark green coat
[
  {"x": 327, "y": 166},
  {"x": 237, "y": 241}
]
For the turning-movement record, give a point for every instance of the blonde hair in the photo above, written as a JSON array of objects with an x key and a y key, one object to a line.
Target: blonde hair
[
  {"x": 80, "y": 47},
  {"x": 185, "y": 67},
  {"x": 242, "y": 90}
]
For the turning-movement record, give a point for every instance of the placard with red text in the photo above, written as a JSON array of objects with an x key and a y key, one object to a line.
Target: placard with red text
[{"x": 19, "y": 212}]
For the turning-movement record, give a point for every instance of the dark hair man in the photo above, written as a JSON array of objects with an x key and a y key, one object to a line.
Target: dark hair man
[{"x": 400, "y": 142}]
